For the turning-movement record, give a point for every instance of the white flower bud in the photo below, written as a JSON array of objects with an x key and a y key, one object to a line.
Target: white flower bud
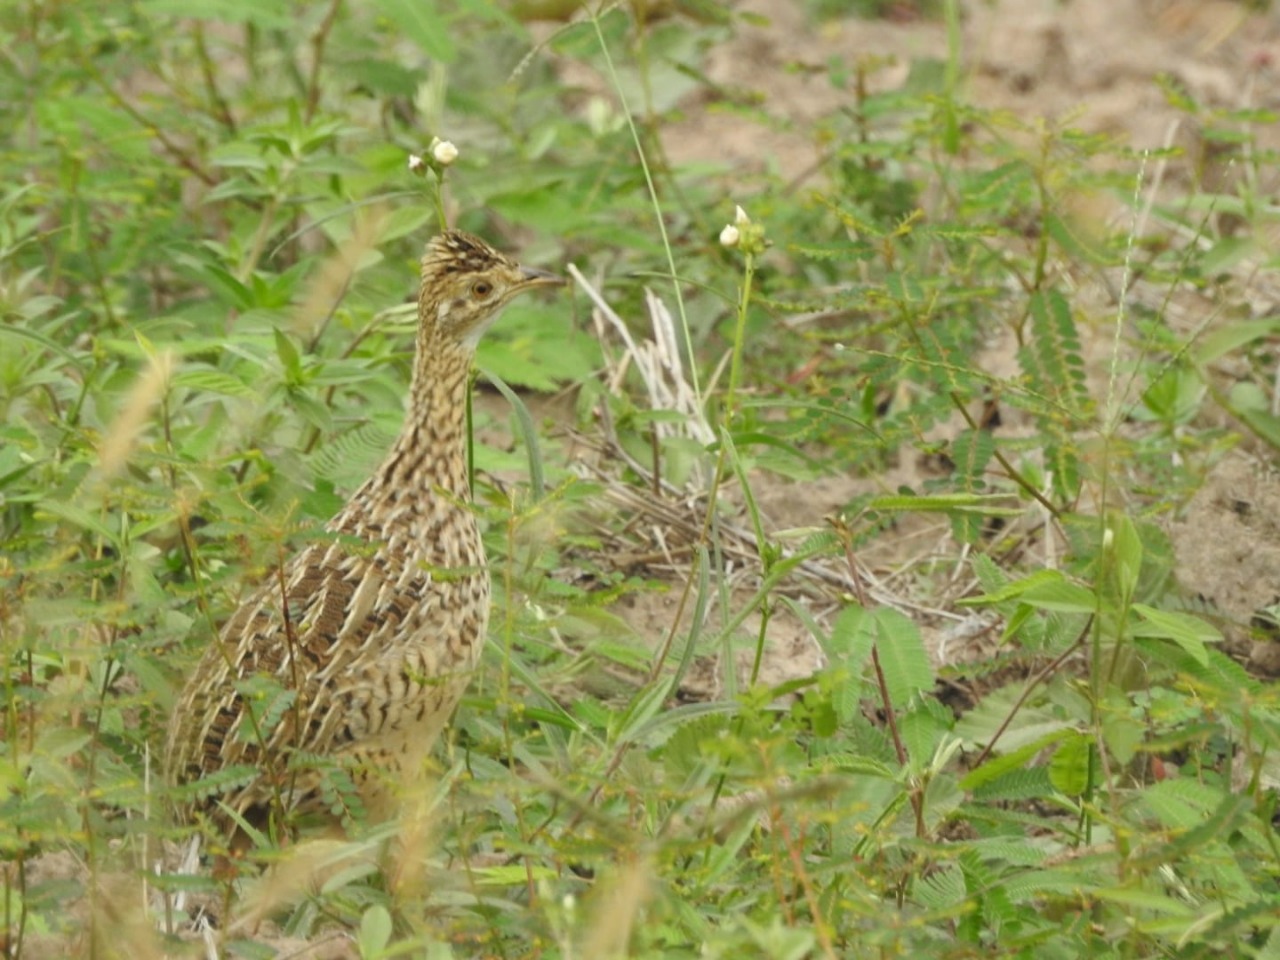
[
  {"x": 1108, "y": 538},
  {"x": 444, "y": 153},
  {"x": 729, "y": 236},
  {"x": 740, "y": 216},
  {"x": 416, "y": 163}
]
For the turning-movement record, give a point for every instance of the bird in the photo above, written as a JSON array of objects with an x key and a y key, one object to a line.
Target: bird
[{"x": 341, "y": 670}]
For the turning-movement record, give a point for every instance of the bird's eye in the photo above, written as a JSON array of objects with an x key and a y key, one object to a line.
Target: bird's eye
[{"x": 481, "y": 289}]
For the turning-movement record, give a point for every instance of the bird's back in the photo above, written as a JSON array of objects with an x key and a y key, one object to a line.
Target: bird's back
[{"x": 343, "y": 667}]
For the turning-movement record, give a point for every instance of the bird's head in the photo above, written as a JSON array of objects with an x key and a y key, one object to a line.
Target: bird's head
[{"x": 466, "y": 283}]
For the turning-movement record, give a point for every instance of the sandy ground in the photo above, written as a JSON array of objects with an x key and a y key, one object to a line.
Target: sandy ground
[
  {"x": 1095, "y": 65},
  {"x": 1092, "y": 62}
]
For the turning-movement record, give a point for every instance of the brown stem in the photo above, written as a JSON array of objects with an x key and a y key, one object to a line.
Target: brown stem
[
  {"x": 183, "y": 158},
  {"x": 891, "y": 720},
  {"x": 318, "y": 41},
  {"x": 1058, "y": 661},
  {"x": 221, "y": 109}
]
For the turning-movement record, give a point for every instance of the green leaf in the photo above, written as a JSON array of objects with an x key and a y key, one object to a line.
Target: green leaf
[
  {"x": 1217, "y": 343},
  {"x": 1052, "y": 357},
  {"x": 903, "y": 659},
  {"x": 82, "y": 518},
  {"x": 289, "y": 358},
  {"x": 1062, "y": 596},
  {"x": 1188, "y": 632},
  {"x": 921, "y": 731},
  {"x": 1123, "y": 735},
  {"x": 1070, "y": 768},
  {"x": 1181, "y": 804},
  {"x": 1143, "y": 900},
  {"x": 267, "y": 14},
  {"x": 422, "y": 23},
  {"x": 1077, "y": 242},
  {"x": 12, "y": 330},
  {"x": 1125, "y": 554},
  {"x": 212, "y": 381},
  {"x": 58, "y": 743},
  {"x": 972, "y": 451},
  {"x": 1050, "y": 584},
  {"x": 642, "y": 708},
  {"x": 375, "y": 932},
  {"x": 528, "y": 434},
  {"x": 986, "y": 505},
  {"x": 312, "y": 410},
  {"x": 852, "y": 634},
  {"x": 1000, "y": 765}
]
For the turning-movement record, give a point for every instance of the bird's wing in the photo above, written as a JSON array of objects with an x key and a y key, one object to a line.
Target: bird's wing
[{"x": 287, "y": 662}]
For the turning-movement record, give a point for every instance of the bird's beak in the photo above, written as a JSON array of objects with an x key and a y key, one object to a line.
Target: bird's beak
[{"x": 533, "y": 277}]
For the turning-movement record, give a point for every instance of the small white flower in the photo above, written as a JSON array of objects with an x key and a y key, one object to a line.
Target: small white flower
[
  {"x": 416, "y": 163},
  {"x": 729, "y": 236},
  {"x": 740, "y": 217},
  {"x": 444, "y": 153}
]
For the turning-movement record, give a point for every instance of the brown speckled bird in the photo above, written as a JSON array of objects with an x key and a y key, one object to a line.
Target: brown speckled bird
[{"x": 359, "y": 652}]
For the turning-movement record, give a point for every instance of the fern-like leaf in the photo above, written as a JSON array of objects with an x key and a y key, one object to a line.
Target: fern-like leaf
[
  {"x": 348, "y": 457},
  {"x": 1052, "y": 358},
  {"x": 903, "y": 659}
]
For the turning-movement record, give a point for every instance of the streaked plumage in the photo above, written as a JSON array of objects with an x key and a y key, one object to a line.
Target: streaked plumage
[{"x": 387, "y": 618}]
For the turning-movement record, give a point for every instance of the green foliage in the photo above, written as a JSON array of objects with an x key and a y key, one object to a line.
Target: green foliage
[{"x": 207, "y": 239}]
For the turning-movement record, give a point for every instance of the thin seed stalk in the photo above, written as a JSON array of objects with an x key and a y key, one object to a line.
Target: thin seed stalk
[{"x": 739, "y": 335}]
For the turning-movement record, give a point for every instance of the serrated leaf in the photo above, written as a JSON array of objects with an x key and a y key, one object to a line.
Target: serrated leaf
[
  {"x": 1013, "y": 590},
  {"x": 971, "y": 451},
  {"x": 856, "y": 763},
  {"x": 989, "y": 574},
  {"x": 212, "y": 381},
  {"x": 1082, "y": 245},
  {"x": 229, "y": 778},
  {"x": 941, "y": 888},
  {"x": 658, "y": 722},
  {"x": 852, "y": 635},
  {"x": 1051, "y": 357},
  {"x": 1181, "y": 804},
  {"x": 1013, "y": 761},
  {"x": 349, "y": 457}
]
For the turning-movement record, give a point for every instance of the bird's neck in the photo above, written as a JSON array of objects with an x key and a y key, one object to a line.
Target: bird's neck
[{"x": 431, "y": 450}]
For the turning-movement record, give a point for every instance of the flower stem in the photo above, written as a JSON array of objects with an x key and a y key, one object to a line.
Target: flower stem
[
  {"x": 437, "y": 194},
  {"x": 739, "y": 336}
]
